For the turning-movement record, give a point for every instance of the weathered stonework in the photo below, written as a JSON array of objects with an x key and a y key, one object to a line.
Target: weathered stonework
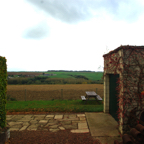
[{"x": 122, "y": 71}]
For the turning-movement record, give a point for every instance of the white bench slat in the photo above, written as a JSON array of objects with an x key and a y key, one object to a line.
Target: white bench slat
[
  {"x": 98, "y": 97},
  {"x": 83, "y": 98}
]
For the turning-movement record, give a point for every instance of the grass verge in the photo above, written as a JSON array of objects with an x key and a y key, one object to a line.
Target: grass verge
[{"x": 54, "y": 106}]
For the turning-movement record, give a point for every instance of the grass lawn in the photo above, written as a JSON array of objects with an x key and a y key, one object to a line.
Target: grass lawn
[{"x": 54, "y": 106}]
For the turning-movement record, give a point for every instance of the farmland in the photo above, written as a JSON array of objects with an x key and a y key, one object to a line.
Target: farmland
[
  {"x": 24, "y": 73},
  {"x": 89, "y": 75},
  {"x": 30, "y": 78},
  {"x": 49, "y": 92}
]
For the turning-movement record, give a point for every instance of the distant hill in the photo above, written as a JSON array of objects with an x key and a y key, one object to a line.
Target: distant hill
[
  {"x": 55, "y": 71},
  {"x": 55, "y": 77}
]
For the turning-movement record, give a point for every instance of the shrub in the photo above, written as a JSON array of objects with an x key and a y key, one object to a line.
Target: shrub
[
  {"x": 30, "y": 82},
  {"x": 38, "y": 82},
  {"x": 10, "y": 98},
  {"x": 84, "y": 82},
  {"x": 13, "y": 99}
]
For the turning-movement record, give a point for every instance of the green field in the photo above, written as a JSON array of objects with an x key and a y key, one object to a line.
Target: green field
[
  {"x": 89, "y": 75},
  {"x": 54, "y": 106}
]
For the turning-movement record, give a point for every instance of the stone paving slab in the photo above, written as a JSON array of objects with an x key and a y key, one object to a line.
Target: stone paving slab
[
  {"x": 14, "y": 123},
  {"x": 26, "y": 123},
  {"x": 58, "y": 117},
  {"x": 102, "y": 124},
  {"x": 80, "y": 131},
  {"x": 82, "y": 126},
  {"x": 43, "y": 121},
  {"x": 39, "y": 115},
  {"x": 24, "y": 120},
  {"x": 81, "y": 115},
  {"x": 52, "y": 123},
  {"x": 50, "y": 116},
  {"x": 23, "y": 128}
]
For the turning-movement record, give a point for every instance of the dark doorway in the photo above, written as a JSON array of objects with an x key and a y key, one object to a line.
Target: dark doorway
[
  {"x": 142, "y": 118},
  {"x": 113, "y": 107}
]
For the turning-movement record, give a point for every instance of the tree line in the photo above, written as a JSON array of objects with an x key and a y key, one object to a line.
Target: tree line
[{"x": 47, "y": 80}]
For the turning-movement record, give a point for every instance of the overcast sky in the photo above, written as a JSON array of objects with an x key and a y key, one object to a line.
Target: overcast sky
[{"x": 41, "y": 35}]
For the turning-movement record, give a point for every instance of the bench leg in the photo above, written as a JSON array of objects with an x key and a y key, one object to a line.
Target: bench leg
[
  {"x": 97, "y": 101},
  {"x": 85, "y": 101}
]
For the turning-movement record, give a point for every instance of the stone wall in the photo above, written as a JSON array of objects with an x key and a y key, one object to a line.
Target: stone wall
[{"x": 127, "y": 78}]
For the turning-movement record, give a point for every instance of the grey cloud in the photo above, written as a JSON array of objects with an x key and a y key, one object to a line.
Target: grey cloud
[
  {"x": 74, "y": 11},
  {"x": 69, "y": 11},
  {"x": 39, "y": 31}
]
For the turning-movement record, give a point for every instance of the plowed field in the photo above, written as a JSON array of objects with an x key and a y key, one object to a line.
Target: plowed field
[
  {"x": 49, "y": 92},
  {"x": 25, "y": 73}
]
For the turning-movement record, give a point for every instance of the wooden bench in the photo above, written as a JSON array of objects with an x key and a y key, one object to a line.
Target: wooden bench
[
  {"x": 83, "y": 98},
  {"x": 99, "y": 98}
]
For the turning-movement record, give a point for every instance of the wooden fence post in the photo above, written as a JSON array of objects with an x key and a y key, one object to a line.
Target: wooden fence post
[
  {"x": 62, "y": 93},
  {"x": 96, "y": 90},
  {"x": 25, "y": 94}
]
